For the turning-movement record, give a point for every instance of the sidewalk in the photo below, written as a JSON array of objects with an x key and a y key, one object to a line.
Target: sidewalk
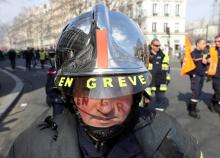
[{"x": 10, "y": 90}]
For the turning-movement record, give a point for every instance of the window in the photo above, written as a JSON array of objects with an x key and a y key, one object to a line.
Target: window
[
  {"x": 177, "y": 10},
  {"x": 166, "y": 8},
  {"x": 154, "y": 27},
  {"x": 139, "y": 10},
  {"x": 154, "y": 9},
  {"x": 165, "y": 27},
  {"x": 176, "y": 27}
]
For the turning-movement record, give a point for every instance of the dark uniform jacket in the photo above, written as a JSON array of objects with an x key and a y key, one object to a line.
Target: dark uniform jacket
[
  {"x": 155, "y": 135},
  {"x": 12, "y": 54},
  {"x": 158, "y": 74},
  {"x": 201, "y": 68}
]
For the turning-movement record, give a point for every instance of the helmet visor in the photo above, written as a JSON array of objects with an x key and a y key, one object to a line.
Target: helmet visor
[{"x": 100, "y": 87}]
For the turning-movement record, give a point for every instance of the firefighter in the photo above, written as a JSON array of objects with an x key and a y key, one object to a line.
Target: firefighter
[
  {"x": 159, "y": 68},
  {"x": 197, "y": 76},
  {"x": 102, "y": 81},
  {"x": 43, "y": 55},
  {"x": 214, "y": 72}
]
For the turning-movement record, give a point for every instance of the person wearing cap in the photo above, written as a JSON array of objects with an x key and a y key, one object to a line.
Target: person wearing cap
[{"x": 101, "y": 79}]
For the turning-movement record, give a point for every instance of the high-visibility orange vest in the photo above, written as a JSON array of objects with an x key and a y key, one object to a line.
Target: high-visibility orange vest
[
  {"x": 213, "y": 62},
  {"x": 188, "y": 63}
]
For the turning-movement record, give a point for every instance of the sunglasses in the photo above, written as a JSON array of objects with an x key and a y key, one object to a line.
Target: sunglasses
[
  {"x": 217, "y": 41},
  {"x": 156, "y": 45}
]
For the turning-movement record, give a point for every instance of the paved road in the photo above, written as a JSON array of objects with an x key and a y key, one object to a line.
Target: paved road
[
  {"x": 30, "y": 105},
  {"x": 206, "y": 130}
]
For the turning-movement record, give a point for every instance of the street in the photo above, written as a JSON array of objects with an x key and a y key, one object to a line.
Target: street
[
  {"x": 29, "y": 106},
  {"x": 32, "y": 104}
]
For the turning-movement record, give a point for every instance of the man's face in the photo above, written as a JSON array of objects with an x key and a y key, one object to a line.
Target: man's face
[
  {"x": 217, "y": 42},
  {"x": 155, "y": 46},
  {"x": 104, "y": 112},
  {"x": 201, "y": 45}
]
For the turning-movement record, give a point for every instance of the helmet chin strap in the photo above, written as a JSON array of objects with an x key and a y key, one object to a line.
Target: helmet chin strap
[{"x": 104, "y": 134}]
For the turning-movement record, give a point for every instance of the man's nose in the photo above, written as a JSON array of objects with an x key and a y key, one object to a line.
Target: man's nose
[{"x": 105, "y": 107}]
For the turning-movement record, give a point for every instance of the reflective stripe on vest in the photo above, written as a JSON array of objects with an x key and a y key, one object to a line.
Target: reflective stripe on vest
[
  {"x": 165, "y": 62},
  {"x": 148, "y": 91},
  {"x": 166, "y": 59},
  {"x": 201, "y": 155},
  {"x": 150, "y": 66},
  {"x": 163, "y": 87},
  {"x": 165, "y": 67},
  {"x": 168, "y": 77},
  {"x": 213, "y": 62},
  {"x": 153, "y": 88}
]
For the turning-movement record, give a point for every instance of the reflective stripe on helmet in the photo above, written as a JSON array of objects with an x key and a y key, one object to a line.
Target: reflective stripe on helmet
[{"x": 102, "y": 48}]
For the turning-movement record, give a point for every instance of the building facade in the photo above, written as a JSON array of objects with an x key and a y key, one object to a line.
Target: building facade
[
  {"x": 202, "y": 29},
  {"x": 164, "y": 20},
  {"x": 41, "y": 26}
]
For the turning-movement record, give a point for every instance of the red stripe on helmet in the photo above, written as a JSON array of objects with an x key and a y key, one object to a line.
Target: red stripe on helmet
[{"x": 102, "y": 48}]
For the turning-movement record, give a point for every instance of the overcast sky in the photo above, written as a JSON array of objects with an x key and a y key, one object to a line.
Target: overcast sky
[
  {"x": 196, "y": 9},
  {"x": 10, "y": 8}
]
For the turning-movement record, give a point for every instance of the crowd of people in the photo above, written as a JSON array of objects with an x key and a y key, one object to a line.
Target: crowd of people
[
  {"x": 201, "y": 63},
  {"x": 32, "y": 56}
]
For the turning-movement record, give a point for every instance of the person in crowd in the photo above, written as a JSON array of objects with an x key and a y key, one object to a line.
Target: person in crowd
[
  {"x": 12, "y": 58},
  {"x": 159, "y": 68},
  {"x": 214, "y": 72},
  {"x": 42, "y": 57},
  {"x": 28, "y": 57},
  {"x": 197, "y": 76}
]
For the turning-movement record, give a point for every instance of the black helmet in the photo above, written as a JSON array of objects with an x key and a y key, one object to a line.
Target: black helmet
[{"x": 98, "y": 55}]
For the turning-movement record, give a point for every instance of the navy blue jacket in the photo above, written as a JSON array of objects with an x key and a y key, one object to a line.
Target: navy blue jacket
[
  {"x": 200, "y": 67},
  {"x": 154, "y": 135}
]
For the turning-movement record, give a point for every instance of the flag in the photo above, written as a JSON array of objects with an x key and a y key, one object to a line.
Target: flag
[{"x": 188, "y": 64}]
